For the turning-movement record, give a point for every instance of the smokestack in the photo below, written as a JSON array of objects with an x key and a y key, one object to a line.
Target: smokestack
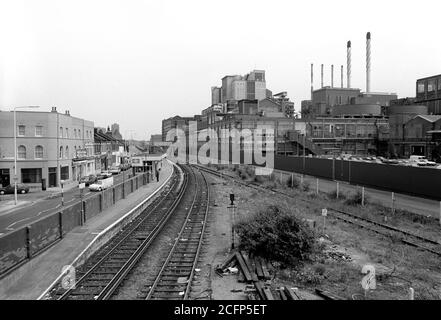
[
  {"x": 312, "y": 79},
  {"x": 348, "y": 67},
  {"x": 322, "y": 75},
  {"x": 368, "y": 62},
  {"x": 341, "y": 76},
  {"x": 332, "y": 76}
]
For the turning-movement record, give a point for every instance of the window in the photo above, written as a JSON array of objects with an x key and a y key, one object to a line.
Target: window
[
  {"x": 21, "y": 130},
  {"x": 39, "y": 131},
  {"x": 75, "y": 133},
  {"x": 64, "y": 173},
  {"x": 431, "y": 85},
  {"x": 31, "y": 175},
  {"x": 67, "y": 152},
  {"x": 439, "y": 84},
  {"x": 38, "y": 152},
  {"x": 67, "y": 133},
  {"x": 21, "y": 152},
  {"x": 61, "y": 132},
  {"x": 61, "y": 152},
  {"x": 79, "y": 133},
  {"x": 420, "y": 87}
]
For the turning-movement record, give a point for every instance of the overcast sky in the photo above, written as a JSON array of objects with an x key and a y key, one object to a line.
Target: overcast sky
[{"x": 137, "y": 62}]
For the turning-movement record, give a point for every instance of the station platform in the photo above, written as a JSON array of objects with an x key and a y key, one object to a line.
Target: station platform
[{"x": 31, "y": 280}]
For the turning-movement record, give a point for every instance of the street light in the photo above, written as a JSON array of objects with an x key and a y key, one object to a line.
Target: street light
[{"x": 15, "y": 149}]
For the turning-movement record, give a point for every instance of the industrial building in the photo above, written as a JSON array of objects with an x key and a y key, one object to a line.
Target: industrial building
[
  {"x": 428, "y": 92},
  {"x": 343, "y": 119},
  {"x": 251, "y": 86},
  {"x": 176, "y": 122}
]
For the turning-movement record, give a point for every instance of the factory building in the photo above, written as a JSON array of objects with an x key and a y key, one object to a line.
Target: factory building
[{"x": 428, "y": 92}]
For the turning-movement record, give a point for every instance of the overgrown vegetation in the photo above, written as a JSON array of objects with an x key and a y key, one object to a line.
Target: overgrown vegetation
[
  {"x": 276, "y": 234},
  {"x": 357, "y": 199},
  {"x": 333, "y": 195},
  {"x": 293, "y": 182}
]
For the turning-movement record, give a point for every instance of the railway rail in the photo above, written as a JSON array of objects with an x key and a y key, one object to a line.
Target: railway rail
[
  {"x": 176, "y": 274},
  {"x": 101, "y": 275},
  {"x": 404, "y": 236}
]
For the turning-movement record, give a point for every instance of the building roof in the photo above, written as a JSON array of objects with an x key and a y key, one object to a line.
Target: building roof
[
  {"x": 430, "y": 77},
  {"x": 430, "y": 118}
]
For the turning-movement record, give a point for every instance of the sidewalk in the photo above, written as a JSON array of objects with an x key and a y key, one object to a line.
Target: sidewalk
[{"x": 33, "y": 278}]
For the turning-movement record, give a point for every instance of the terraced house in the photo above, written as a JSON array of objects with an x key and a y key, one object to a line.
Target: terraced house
[{"x": 48, "y": 145}]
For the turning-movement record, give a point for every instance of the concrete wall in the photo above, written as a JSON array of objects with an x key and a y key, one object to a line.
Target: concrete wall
[
  {"x": 15, "y": 247},
  {"x": 71, "y": 217},
  {"x": 92, "y": 206},
  {"x": 44, "y": 232}
]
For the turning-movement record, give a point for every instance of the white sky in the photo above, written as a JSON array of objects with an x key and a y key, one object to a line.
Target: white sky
[{"x": 137, "y": 62}]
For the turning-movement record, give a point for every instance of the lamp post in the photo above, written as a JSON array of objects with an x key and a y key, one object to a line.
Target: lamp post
[
  {"x": 62, "y": 192},
  {"x": 15, "y": 149}
]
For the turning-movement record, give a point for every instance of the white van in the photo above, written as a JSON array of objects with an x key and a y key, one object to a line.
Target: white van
[{"x": 101, "y": 184}]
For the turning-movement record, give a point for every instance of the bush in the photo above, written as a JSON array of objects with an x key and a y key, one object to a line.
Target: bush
[
  {"x": 276, "y": 235},
  {"x": 293, "y": 182},
  {"x": 305, "y": 186},
  {"x": 333, "y": 195},
  {"x": 356, "y": 199}
]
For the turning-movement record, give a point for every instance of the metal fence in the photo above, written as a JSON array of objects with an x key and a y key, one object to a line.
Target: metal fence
[{"x": 422, "y": 182}]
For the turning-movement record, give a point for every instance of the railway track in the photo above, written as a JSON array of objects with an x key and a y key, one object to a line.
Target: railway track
[
  {"x": 174, "y": 279},
  {"x": 101, "y": 275},
  {"x": 404, "y": 236}
]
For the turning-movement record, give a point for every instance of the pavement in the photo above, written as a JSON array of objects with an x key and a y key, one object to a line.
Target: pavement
[
  {"x": 32, "y": 279},
  {"x": 418, "y": 205},
  {"x": 34, "y": 205}
]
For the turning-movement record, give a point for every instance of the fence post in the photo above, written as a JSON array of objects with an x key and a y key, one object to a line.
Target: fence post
[
  {"x": 292, "y": 181},
  {"x": 337, "y": 189},
  {"x": 317, "y": 185},
  {"x": 393, "y": 202},
  {"x": 83, "y": 212},
  {"x": 411, "y": 294},
  {"x": 301, "y": 179},
  {"x": 113, "y": 195},
  {"x": 28, "y": 242},
  {"x": 123, "y": 190},
  {"x": 362, "y": 196},
  {"x": 440, "y": 212},
  {"x": 281, "y": 178}
]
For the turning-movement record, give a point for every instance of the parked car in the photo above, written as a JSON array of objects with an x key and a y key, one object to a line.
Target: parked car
[
  {"x": 106, "y": 174},
  {"x": 115, "y": 170},
  {"x": 88, "y": 180},
  {"x": 21, "y": 188},
  {"x": 101, "y": 185},
  {"x": 421, "y": 161}
]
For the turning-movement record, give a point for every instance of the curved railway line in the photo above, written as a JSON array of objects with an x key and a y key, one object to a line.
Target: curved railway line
[
  {"x": 176, "y": 274},
  {"x": 404, "y": 236},
  {"x": 101, "y": 275}
]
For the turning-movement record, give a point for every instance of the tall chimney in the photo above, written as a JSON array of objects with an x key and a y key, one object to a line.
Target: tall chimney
[
  {"x": 312, "y": 79},
  {"x": 332, "y": 76},
  {"x": 341, "y": 76},
  {"x": 322, "y": 75},
  {"x": 348, "y": 67},
  {"x": 368, "y": 62}
]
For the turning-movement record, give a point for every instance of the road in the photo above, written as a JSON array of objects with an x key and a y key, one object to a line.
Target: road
[
  {"x": 417, "y": 205},
  {"x": 16, "y": 219}
]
